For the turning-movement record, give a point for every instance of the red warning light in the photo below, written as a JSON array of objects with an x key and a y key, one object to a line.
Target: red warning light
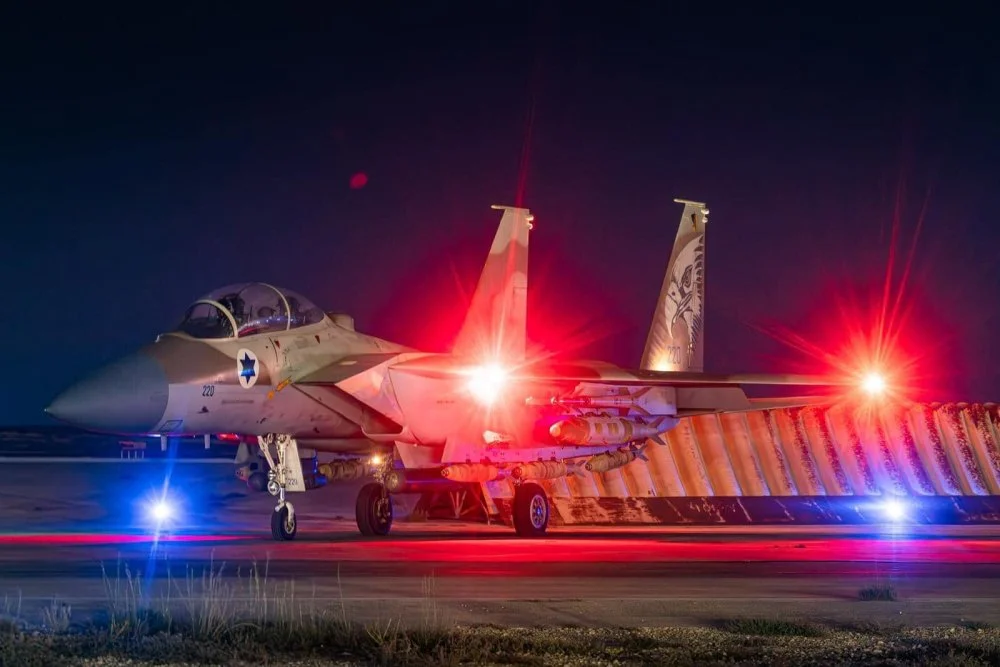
[
  {"x": 873, "y": 383},
  {"x": 486, "y": 382},
  {"x": 359, "y": 180}
]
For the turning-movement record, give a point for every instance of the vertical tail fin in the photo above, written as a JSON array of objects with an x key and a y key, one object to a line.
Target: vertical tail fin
[
  {"x": 495, "y": 326},
  {"x": 675, "y": 341}
]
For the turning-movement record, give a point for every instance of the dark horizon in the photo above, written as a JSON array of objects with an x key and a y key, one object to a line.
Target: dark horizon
[{"x": 151, "y": 158}]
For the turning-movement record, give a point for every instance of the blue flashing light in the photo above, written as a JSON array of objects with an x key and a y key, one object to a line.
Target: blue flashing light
[
  {"x": 162, "y": 511},
  {"x": 894, "y": 510}
]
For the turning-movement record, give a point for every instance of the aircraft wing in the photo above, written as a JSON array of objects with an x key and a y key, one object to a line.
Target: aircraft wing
[
  {"x": 342, "y": 368},
  {"x": 789, "y": 402},
  {"x": 636, "y": 377},
  {"x": 610, "y": 374},
  {"x": 371, "y": 421},
  {"x": 324, "y": 382}
]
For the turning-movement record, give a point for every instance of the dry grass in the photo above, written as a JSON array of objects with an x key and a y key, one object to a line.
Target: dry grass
[
  {"x": 881, "y": 592},
  {"x": 214, "y": 605},
  {"x": 773, "y": 627},
  {"x": 212, "y": 616}
]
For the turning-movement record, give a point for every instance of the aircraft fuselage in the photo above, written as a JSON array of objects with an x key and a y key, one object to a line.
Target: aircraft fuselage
[{"x": 265, "y": 364}]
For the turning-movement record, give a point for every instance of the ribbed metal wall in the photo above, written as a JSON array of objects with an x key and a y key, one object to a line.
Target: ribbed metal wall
[{"x": 918, "y": 450}]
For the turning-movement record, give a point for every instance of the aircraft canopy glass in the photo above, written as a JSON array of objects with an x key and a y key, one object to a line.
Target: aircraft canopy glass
[{"x": 247, "y": 309}]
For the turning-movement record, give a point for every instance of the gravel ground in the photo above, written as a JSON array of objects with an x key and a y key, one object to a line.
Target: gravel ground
[{"x": 767, "y": 643}]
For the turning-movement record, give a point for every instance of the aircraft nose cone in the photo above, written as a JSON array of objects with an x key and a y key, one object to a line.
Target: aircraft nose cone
[{"x": 127, "y": 396}]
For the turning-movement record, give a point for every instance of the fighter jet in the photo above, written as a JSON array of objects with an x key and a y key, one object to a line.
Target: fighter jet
[{"x": 290, "y": 380}]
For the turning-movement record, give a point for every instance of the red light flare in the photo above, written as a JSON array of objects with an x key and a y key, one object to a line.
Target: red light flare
[
  {"x": 569, "y": 309},
  {"x": 882, "y": 340},
  {"x": 359, "y": 180},
  {"x": 568, "y": 306},
  {"x": 98, "y": 539},
  {"x": 561, "y": 325}
]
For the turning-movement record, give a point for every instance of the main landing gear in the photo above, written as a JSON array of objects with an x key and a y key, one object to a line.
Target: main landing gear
[
  {"x": 373, "y": 509},
  {"x": 531, "y": 510}
]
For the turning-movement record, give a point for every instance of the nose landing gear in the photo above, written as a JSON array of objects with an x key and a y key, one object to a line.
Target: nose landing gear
[{"x": 285, "y": 474}]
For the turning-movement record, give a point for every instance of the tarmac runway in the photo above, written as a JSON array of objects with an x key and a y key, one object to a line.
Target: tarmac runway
[{"x": 71, "y": 538}]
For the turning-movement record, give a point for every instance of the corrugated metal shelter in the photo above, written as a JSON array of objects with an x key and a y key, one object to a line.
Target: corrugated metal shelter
[{"x": 813, "y": 465}]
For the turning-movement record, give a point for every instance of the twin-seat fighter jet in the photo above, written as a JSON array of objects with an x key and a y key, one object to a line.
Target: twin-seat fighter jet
[{"x": 291, "y": 380}]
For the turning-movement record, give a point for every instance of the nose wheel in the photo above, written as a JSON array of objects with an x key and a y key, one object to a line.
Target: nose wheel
[
  {"x": 374, "y": 510},
  {"x": 283, "y": 523}
]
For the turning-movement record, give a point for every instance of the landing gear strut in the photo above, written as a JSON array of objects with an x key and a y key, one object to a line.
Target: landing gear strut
[
  {"x": 285, "y": 474},
  {"x": 373, "y": 509},
  {"x": 531, "y": 510}
]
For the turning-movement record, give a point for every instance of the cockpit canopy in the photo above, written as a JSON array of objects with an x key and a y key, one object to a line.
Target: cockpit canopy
[{"x": 247, "y": 309}]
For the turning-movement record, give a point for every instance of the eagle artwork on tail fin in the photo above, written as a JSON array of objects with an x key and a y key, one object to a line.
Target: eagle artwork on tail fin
[{"x": 684, "y": 299}]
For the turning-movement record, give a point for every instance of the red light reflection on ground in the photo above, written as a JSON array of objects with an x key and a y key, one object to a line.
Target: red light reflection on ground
[
  {"x": 486, "y": 552},
  {"x": 643, "y": 551},
  {"x": 97, "y": 539}
]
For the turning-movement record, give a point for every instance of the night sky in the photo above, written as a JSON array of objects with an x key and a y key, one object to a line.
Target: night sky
[{"x": 147, "y": 158}]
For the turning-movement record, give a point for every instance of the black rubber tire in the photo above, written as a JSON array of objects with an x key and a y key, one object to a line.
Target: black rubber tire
[
  {"x": 529, "y": 520},
  {"x": 279, "y": 527},
  {"x": 374, "y": 518},
  {"x": 257, "y": 481}
]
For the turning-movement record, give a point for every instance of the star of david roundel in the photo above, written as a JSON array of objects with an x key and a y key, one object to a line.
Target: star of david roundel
[{"x": 247, "y": 368}]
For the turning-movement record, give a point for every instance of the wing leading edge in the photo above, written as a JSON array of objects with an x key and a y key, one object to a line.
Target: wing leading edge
[
  {"x": 595, "y": 372},
  {"x": 650, "y": 378}
]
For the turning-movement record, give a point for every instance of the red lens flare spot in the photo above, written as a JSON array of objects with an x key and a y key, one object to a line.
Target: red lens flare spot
[
  {"x": 873, "y": 383},
  {"x": 487, "y": 382},
  {"x": 359, "y": 180}
]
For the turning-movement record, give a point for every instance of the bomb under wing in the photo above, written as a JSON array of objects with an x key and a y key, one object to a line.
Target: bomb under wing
[
  {"x": 542, "y": 470},
  {"x": 471, "y": 472},
  {"x": 611, "y": 460},
  {"x": 601, "y": 430},
  {"x": 344, "y": 471}
]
